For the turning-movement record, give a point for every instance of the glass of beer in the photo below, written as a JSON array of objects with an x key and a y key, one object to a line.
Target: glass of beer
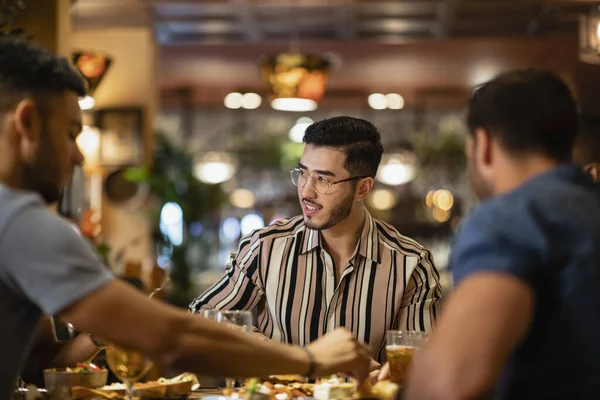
[
  {"x": 400, "y": 349},
  {"x": 127, "y": 365}
]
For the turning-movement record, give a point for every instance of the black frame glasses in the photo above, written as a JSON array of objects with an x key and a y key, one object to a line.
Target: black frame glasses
[{"x": 319, "y": 182}]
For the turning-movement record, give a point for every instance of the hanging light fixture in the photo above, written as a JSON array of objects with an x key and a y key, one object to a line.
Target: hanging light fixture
[
  {"x": 214, "y": 167},
  {"x": 93, "y": 66},
  {"x": 296, "y": 80},
  {"x": 589, "y": 36},
  {"x": 398, "y": 168}
]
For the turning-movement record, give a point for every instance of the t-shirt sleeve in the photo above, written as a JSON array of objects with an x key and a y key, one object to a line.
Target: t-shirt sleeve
[
  {"x": 499, "y": 239},
  {"x": 46, "y": 259}
]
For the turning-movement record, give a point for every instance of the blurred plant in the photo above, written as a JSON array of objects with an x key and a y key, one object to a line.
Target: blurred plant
[
  {"x": 9, "y": 10},
  {"x": 170, "y": 179}
]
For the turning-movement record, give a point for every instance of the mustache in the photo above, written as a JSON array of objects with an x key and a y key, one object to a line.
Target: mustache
[{"x": 309, "y": 201}]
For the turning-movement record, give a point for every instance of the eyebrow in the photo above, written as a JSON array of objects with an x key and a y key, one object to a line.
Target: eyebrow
[{"x": 323, "y": 172}]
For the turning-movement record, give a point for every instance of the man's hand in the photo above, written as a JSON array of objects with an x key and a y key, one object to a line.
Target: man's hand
[
  {"x": 374, "y": 371},
  {"x": 259, "y": 336},
  {"x": 339, "y": 351},
  {"x": 384, "y": 373}
]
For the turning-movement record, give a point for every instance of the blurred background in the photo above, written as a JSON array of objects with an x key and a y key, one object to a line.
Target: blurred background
[{"x": 197, "y": 109}]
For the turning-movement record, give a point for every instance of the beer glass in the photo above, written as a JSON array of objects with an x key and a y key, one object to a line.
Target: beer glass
[{"x": 400, "y": 349}]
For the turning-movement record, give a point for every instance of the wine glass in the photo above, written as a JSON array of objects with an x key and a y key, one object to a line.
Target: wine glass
[
  {"x": 166, "y": 280},
  {"x": 241, "y": 320},
  {"x": 127, "y": 365}
]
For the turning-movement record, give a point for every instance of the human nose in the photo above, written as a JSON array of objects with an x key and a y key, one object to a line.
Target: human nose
[{"x": 307, "y": 189}]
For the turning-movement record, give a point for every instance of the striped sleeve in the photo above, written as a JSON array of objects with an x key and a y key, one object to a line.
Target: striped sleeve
[
  {"x": 240, "y": 288},
  {"x": 420, "y": 301}
]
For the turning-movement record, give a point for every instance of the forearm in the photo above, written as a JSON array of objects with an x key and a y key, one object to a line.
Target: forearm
[
  {"x": 207, "y": 348},
  {"x": 174, "y": 338},
  {"x": 78, "y": 349}
]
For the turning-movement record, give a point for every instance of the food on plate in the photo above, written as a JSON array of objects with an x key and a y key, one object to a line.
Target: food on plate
[
  {"x": 334, "y": 388},
  {"x": 274, "y": 388},
  {"x": 80, "y": 367},
  {"x": 180, "y": 385},
  {"x": 382, "y": 390}
]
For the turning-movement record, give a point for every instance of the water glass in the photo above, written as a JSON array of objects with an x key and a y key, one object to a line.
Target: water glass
[{"x": 238, "y": 320}]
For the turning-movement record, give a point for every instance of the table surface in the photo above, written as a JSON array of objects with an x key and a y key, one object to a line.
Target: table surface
[{"x": 205, "y": 392}]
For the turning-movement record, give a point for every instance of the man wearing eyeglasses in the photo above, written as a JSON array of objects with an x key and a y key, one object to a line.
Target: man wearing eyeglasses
[{"x": 334, "y": 265}]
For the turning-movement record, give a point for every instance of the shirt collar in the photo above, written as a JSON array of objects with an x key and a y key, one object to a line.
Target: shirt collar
[{"x": 368, "y": 244}]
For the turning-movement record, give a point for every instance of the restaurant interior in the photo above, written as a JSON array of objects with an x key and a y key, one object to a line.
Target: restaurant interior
[{"x": 197, "y": 108}]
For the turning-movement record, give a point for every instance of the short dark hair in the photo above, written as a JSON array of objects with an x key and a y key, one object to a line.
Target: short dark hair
[
  {"x": 527, "y": 111},
  {"x": 587, "y": 142},
  {"x": 358, "y": 139},
  {"x": 29, "y": 70}
]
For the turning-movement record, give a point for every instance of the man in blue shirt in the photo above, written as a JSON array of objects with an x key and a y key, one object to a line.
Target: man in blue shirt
[{"x": 524, "y": 319}]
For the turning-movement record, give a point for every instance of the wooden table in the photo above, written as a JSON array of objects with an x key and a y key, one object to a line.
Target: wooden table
[{"x": 205, "y": 392}]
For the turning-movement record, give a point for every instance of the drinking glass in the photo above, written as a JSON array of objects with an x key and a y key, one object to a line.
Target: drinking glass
[
  {"x": 401, "y": 348},
  {"x": 127, "y": 365},
  {"x": 241, "y": 320}
]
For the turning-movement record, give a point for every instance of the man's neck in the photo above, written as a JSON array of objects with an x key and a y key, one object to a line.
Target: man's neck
[
  {"x": 515, "y": 172},
  {"x": 342, "y": 238}
]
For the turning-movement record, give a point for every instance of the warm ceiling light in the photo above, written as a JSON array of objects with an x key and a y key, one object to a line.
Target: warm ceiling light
[
  {"x": 297, "y": 81},
  {"x": 293, "y": 104},
  {"x": 377, "y": 101},
  {"x": 380, "y": 101},
  {"x": 397, "y": 168},
  {"x": 589, "y": 36},
  {"x": 234, "y": 100},
  {"x": 87, "y": 103},
  {"x": 214, "y": 167},
  {"x": 92, "y": 65},
  {"x": 443, "y": 199},
  {"x": 88, "y": 142},
  {"x": 394, "y": 101},
  {"x": 251, "y": 101},
  {"x": 382, "y": 199},
  {"x": 242, "y": 198},
  {"x": 296, "y": 134}
]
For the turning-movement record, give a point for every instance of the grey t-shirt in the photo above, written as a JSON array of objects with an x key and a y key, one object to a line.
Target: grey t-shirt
[{"x": 45, "y": 266}]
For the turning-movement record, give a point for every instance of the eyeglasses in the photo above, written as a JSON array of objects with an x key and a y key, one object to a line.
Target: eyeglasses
[{"x": 320, "y": 183}]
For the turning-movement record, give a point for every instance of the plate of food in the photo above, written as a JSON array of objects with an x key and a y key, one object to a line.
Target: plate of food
[
  {"x": 178, "y": 387},
  {"x": 83, "y": 374},
  {"x": 287, "y": 387}
]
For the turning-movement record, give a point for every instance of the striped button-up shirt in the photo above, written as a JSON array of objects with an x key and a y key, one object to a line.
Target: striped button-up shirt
[{"x": 284, "y": 272}]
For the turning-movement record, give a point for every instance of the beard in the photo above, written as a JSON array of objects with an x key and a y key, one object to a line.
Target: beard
[
  {"x": 339, "y": 213},
  {"x": 479, "y": 185},
  {"x": 50, "y": 192},
  {"x": 42, "y": 175}
]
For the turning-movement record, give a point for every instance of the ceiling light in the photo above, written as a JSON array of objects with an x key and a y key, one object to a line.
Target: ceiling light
[
  {"x": 293, "y": 104},
  {"x": 251, "y": 101},
  {"x": 214, "y": 167},
  {"x": 377, "y": 101},
  {"x": 397, "y": 168},
  {"x": 87, "y": 103},
  {"x": 382, "y": 199},
  {"x": 296, "y": 81},
  {"x": 589, "y": 36},
  {"x": 242, "y": 198},
  {"x": 296, "y": 134},
  {"x": 92, "y": 65},
  {"x": 234, "y": 100},
  {"x": 394, "y": 101}
]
